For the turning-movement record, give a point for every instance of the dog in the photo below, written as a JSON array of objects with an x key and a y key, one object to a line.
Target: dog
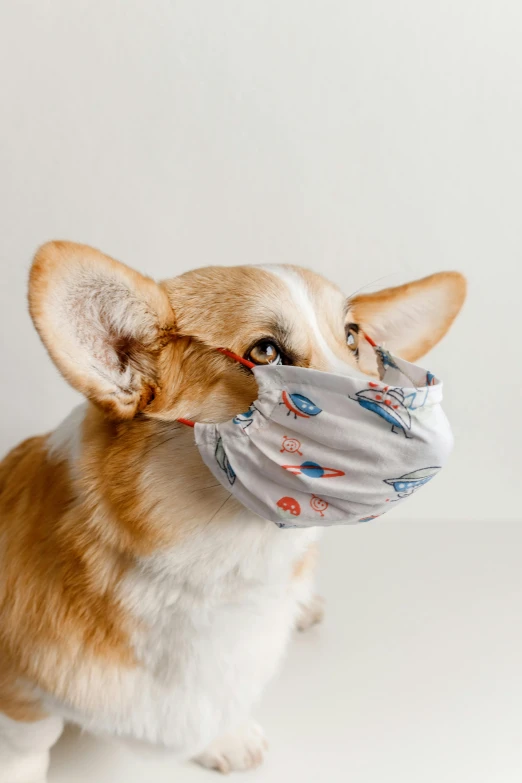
[{"x": 138, "y": 598}]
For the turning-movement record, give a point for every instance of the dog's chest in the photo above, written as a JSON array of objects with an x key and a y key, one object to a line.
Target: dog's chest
[{"x": 213, "y": 621}]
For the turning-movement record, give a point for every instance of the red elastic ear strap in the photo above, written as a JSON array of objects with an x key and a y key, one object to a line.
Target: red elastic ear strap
[
  {"x": 237, "y": 358},
  {"x": 372, "y": 342},
  {"x": 232, "y": 355},
  {"x": 187, "y": 422}
]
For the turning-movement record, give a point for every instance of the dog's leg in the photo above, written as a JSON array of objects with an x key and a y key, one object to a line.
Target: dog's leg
[
  {"x": 239, "y": 750},
  {"x": 24, "y": 748},
  {"x": 311, "y": 605}
]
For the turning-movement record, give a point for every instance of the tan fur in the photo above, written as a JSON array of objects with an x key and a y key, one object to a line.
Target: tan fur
[
  {"x": 58, "y": 576},
  {"x": 61, "y": 291},
  {"x": 17, "y": 699},
  {"x": 307, "y": 563},
  {"x": 67, "y": 537},
  {"x": 369, "y": 310}
]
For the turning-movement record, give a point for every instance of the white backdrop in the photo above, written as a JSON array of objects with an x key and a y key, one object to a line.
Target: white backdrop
[{"x": 365, "y": 140}]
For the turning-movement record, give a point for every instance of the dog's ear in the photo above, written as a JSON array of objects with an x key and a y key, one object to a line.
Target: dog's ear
[
  {"x": 410, "y": 319},
  {"x": 102, "y": 323}
]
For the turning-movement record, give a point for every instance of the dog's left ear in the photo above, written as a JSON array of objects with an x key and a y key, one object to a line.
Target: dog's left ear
[
  {"x": 410, "y": 319},
  {"x": 103, "y": 324}
]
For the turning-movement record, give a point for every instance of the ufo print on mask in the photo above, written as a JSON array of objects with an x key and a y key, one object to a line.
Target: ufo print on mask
[
  {"x": 388, "y": 403},
  {"x": 299, "y": 405},
  {"x": 368, "y": 519},
  {"x": 407, "y": 484},
  {"x": 222, "y": 461},
  {"x": 313, "y": 470}
]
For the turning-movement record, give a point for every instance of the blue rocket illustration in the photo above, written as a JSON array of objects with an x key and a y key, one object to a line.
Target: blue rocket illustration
[{"x": 299, "y": 405}]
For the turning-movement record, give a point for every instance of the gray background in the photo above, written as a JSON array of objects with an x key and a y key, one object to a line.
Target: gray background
[{"x": 372, "y": 141}]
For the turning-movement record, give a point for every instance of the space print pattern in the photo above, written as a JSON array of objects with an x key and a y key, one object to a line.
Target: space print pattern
[{"x": 322, "y": 449}]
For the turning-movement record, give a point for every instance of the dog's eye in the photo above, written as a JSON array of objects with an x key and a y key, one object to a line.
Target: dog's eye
[
  {"x": 352, "y": 338},
  {"x": 265, "y": 352}
]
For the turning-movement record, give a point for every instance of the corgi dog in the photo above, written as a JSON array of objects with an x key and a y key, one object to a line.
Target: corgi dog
[{"x": 138, "y": 598}]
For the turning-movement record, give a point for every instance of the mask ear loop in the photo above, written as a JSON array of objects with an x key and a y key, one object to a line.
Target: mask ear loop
[
  {"x": 236, "y": 357},
  {"x": 231, "y": 355}
]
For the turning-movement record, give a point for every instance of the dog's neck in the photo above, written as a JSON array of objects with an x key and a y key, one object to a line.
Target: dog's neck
[{"x": 143, "y": 480}]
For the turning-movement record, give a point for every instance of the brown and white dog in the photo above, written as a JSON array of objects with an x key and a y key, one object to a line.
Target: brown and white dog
[{"x": 137, "y": 597}]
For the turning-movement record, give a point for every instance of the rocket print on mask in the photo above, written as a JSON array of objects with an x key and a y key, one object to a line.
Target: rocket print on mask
[
  {"x": 299, "y": 405},
  {"x": 388, "y": 402},
  {"x": 222, "y": 461},
  {"x": 406, "y": 485}
]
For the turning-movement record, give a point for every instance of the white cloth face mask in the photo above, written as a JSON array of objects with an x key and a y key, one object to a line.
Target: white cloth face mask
[{"x": 317, "y": 448}]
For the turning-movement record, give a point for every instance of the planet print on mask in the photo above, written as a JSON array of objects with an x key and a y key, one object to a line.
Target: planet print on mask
[
  {"x": 388, "y": 403},
  {"x": 288, "y": 507},
  {"x": 292, "y": 445},
  {"x": 318, "y": 504},
  {"x": 313, "y": 470},
  {"x": 368, "y": 519},
  {"x": 406, "y": 485},
  {"x": 299, "y": 405}
]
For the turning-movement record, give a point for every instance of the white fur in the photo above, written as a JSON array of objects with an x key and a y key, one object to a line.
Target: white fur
[
  {"x": 211, "y": 639},
  {"x": 240, "y": 750},
  {"x": 300, "y": 294},
  {"x": 24, "y": 748},
  {"x": 216, "y": 614}
]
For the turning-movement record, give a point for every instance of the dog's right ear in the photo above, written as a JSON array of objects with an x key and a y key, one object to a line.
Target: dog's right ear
[{"x": 102, "y": 323}]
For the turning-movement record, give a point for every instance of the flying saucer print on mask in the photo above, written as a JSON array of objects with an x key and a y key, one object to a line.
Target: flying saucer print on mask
[
  {"x": 406, "y": 485},
  {"x": 299, "y": 405},
  {"x": 313, "y": 470},
  {"x": 388, "y": 403}
]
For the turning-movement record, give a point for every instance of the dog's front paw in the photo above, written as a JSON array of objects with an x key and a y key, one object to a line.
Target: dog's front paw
[
  {"x": 310, "y": 613},
  {"x": 240, "y": 750}
]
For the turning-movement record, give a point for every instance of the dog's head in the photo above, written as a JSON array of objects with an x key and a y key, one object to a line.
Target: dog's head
[{"x": 133, "y": 346}]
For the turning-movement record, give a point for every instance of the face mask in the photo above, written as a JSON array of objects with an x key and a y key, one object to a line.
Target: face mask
[{"x": 317, "y": 448}]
